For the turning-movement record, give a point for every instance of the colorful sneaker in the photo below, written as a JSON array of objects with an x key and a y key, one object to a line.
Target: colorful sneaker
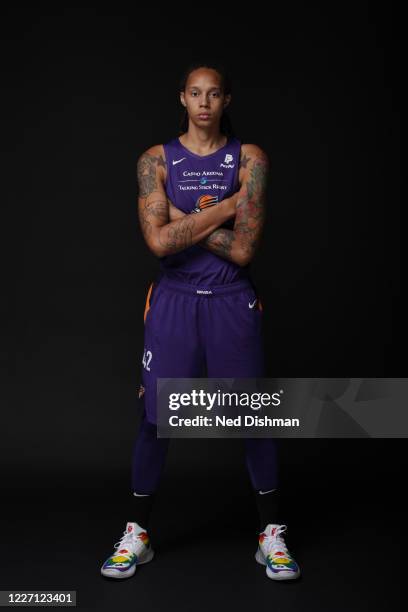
[
  {"x": 132, "y": 549},
  {"x": 273, "y": 553}
]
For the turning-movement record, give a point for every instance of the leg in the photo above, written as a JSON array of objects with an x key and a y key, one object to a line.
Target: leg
[
  {"x": 149, "y": 456},
  {"x": 262, "y": 463},
  {"x": 148, "y": 460},
  {"x": 171, "y": 349},
  {"x": 172, "y": 346},
  {"x": 235, "y": 349}
]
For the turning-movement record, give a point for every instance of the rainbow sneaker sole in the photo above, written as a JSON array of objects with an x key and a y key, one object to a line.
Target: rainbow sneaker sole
[{"x": 124, "y": 561}]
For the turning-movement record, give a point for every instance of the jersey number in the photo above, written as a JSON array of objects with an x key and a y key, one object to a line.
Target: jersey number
[{"x": 147, "y": 357}]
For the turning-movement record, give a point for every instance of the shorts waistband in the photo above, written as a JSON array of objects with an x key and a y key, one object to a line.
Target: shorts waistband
[{"x": 205, "y": 290}]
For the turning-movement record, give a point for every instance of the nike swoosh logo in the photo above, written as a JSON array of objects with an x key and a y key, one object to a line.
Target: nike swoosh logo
[
  {"x": 251, "y": 305},
  {"x": 177, "y": 161},
  {"x": 264, "y": 492}
]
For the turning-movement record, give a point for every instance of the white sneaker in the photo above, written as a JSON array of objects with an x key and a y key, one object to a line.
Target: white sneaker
[
  {"x": 272, "y": 552},
  {"x": 132, "y": 549}
]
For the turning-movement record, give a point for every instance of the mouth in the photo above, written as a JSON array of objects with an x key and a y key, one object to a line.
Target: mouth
[{"x": 204, "y": 116}]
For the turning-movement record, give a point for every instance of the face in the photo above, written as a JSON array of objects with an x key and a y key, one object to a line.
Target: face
[{"x": 203, "y": 97}]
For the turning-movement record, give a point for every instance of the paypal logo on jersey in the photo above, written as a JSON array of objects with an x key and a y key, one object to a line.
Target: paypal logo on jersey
[{"x": 227, "y": 161}]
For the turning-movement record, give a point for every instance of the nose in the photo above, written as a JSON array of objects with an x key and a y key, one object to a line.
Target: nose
[{"x": 204, "y": 101}]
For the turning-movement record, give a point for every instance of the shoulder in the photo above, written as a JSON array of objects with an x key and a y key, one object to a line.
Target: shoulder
[
  {"x": 156, "y": 152},
  {"x": 251, "y": 152},
  {"x": 153, "y": 157},
  {"x": 252, "y": 159}
]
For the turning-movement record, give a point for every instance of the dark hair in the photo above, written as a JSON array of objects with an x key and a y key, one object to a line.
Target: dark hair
[{"x": 225, "y": 122}]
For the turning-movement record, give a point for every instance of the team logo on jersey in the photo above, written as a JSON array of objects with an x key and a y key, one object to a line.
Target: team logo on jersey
[
  {"x": 227, "y": 161},
  {"x": 205, "y": 201}
]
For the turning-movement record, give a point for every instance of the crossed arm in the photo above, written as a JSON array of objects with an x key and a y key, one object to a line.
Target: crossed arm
[
  {"x": 163, "y": 235},
  {"x": 240, "y": 243}
]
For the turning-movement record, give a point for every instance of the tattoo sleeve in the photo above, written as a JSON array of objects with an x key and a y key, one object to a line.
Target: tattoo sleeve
[
  {"x": 250, "y": 213},
  {"x": 220, "y": 243},
  {"x": 153, "y": 209},
  {"x": 161, "y": 234},
  {"x": 239, "y": 245}
]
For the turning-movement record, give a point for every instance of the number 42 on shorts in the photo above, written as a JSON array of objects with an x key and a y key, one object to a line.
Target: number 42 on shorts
[{"x": 147, "y": 357}]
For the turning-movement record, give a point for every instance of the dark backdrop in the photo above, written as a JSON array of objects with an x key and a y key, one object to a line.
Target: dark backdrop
[{"x": 84, "y": 94}]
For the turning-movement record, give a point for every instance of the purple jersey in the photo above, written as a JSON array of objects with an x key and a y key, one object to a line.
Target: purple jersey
[{"x": 194, "y": 181}]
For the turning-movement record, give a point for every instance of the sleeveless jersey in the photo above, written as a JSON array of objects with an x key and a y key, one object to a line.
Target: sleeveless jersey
[{"x": 192, "y": 181}]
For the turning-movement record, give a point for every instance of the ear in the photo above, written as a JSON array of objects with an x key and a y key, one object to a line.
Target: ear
[
  {"x": 227, "y": 100},
  {"x": 182, "y": 99}
]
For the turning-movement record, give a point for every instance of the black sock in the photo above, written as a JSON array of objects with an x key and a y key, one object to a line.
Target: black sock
[
  {"x": 267, "y": 504},
  {"x": 141, "y": 508}
]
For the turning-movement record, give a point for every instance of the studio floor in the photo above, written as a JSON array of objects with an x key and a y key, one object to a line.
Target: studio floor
[{"x": 57, "y": 531}]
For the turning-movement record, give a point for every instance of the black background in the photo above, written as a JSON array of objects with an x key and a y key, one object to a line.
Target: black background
[{"x": 83, "y": 95}]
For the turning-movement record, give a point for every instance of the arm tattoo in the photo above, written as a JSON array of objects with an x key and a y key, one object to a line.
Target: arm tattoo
[
  {"x": 249, "y": 217},
  {"x": 244, "y": 161},
  {"x": 220, "y": 242},
  {"x": 179, "y": 234},
  {"x": 251, "y": 207},
  {"x": 146, "y": 173},
  {"x": 154, "y": 211},
  {"x": 153, "y": 208}
]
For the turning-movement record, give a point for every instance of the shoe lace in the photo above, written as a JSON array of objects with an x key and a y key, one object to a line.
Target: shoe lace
[
  {"x": 129, "y": 541},
  {"x": 275, "y": 543}
]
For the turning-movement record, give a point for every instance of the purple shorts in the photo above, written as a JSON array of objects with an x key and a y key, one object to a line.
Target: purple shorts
[{"x": 192, "y": 331}]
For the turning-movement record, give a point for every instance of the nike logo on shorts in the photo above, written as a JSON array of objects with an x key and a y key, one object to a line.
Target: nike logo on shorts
[
  {"x": 252, "y": 305},
  {"x": 264, "y": 492},
  {"x": 177, "y": 161}
]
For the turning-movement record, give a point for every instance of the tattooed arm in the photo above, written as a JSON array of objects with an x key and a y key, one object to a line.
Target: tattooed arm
[
  {"x": 239, "y": 244},
  {"x": 163, "y": 235}
]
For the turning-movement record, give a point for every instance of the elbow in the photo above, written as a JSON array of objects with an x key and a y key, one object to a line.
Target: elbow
[
  {"x": 243, "y": 258},
  {"x": 156, "y": 248}
]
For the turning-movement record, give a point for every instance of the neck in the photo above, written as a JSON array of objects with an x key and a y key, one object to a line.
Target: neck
[{"x": 203, "y": 140}]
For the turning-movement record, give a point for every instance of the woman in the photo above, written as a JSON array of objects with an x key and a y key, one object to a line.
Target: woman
[{"x": 203, "y": 311}]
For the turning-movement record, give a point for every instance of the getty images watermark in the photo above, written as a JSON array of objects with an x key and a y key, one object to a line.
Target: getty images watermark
[
  {"x": 226, "y": 399},
  {"x": 282, "y": 407}
]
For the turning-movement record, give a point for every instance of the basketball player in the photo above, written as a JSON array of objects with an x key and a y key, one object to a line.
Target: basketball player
[{"x": 202, "y": 210}]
